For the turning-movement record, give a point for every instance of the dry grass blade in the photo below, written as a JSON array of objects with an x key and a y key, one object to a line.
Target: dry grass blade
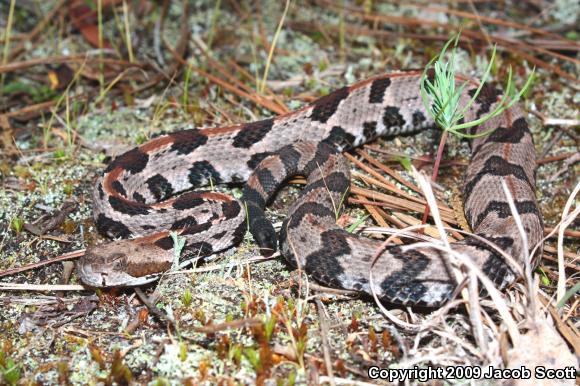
[
  {"x": 394, "y": 155},
  {"x": 567, "y": 219},
  {"x": 258, "y": 100},
  {"x": 574, "y": 264},
  {"x": 524, "y": 237},
  {"x": 262, "y": 84},
  {"x": 574, "y": 257},
  {"x": 492, "y": 291}
]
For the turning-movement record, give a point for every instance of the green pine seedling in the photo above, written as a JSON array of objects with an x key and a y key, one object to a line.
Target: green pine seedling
[{"x": 441, "y": 97}]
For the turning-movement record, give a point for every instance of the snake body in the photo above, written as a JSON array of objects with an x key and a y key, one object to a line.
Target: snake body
[{"x": 141, "y": 194}]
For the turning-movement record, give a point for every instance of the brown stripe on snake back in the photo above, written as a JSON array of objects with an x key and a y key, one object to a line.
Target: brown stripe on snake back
[{"x": 141, "y": 193}]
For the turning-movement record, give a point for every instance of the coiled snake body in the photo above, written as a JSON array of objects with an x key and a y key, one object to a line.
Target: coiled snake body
[{"x": 140, "y": 194}]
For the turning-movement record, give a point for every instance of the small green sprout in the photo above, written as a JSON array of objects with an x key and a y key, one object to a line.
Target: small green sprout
[
  {"x": 161, "y": 382},
  {"x": 141, "y": 138},
  {"x": 405, "y": 163},
  {"x": 186, "y": 298},
  {"x": 235, "y": 353},
  {"x": 356, "y": 224},
  {"x": 324, "y": 91},
  {"x": 291, "y": 306},
  {"x": 59, "y": 154},
  {"x": 185, "y": 96},
  {"x": 312, "y": 84},
  {"x": 17, "y": 224},
  {"x": 10, "y": 372},
  {"x": 68, "y": 188},
  {"x": 199, "y": 315},
  {"x": 253, "y": 357},
  {"x": 269, "y": 325},
  {"x": 100, "y": 158},
  {"x": 183, "y": 351},
  {"x": 120, "y": 373},
  {"x": 300, "y": 346},
  {"x": 292, "y": 377},
  {"x": 544, "y": 277}
]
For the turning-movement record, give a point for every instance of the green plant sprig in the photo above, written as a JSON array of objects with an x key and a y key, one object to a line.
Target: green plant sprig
[
  {"x": 441, "y": 96},
  {"x": 441, "y": 99}
]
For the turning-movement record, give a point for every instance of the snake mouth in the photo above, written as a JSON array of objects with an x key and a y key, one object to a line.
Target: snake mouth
[
  {"x": 101, "y": 270},
  {"x": 92, "y": 276},
  {"x": 99, "y": 278}
]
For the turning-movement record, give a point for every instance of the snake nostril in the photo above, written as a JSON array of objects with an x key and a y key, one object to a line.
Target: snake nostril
[{"x": 117, "y": 256}]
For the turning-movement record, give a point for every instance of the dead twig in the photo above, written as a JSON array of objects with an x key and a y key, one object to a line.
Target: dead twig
[
  {"x": 153, "y": 309},
  {"x": 554, "y": 158},
  {"x": 28, "y": 267},
  {"x": 567, "y": 232},
  {"x": 33, "y": 111},
  {"x": 81, "y": 58},
  {"x": 51, "y": 221}
]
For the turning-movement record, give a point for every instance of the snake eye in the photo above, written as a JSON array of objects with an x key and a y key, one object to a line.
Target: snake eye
[{"x": 118, "y": 260}]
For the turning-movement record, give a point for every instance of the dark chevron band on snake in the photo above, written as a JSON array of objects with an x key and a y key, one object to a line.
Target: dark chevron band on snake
[{"x": 145, "y": 193}]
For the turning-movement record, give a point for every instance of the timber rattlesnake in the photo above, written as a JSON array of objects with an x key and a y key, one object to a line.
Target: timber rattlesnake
[{"x": 140, "y": 194}]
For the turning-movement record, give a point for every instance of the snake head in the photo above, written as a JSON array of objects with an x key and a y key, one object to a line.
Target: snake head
[
  {"x": 123, "y": 263},
  {"x": 261, "y": 228}
]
